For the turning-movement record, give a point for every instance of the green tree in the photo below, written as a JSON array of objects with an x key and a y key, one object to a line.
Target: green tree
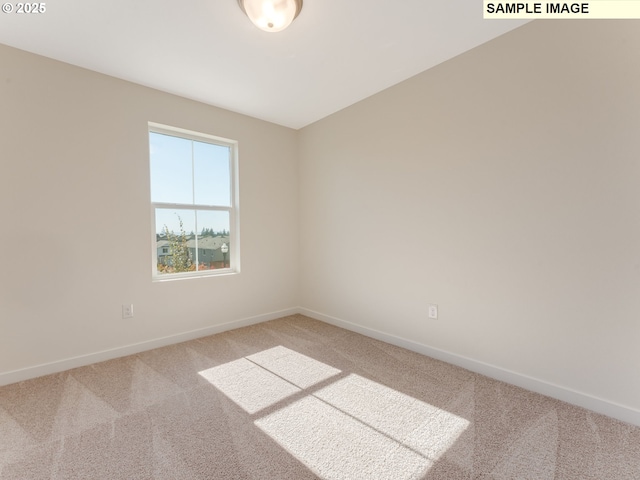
[{"x": 180, "y": 258}]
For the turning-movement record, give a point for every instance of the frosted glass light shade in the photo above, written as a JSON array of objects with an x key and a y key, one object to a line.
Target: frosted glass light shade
[{"x": 271, "y": 15}]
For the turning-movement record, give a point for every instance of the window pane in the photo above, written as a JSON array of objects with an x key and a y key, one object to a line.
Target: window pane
[
  {"x": 213, "y": 239},
  {"x": 191, "y": 179},
  {"x": 175, "y": 240},
  {"x": 211, "y": 174},
  {"x": 171, "y": 169}
]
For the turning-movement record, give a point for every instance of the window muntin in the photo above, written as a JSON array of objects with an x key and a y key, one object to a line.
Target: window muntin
[{"x": 194, "y": 206}]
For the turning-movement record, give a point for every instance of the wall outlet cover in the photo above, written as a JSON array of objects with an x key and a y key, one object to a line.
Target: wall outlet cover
[{"x": 127, "y": 311}]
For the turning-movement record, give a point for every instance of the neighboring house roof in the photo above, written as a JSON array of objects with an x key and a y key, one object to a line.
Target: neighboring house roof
[{"x": 207, "y": 243}]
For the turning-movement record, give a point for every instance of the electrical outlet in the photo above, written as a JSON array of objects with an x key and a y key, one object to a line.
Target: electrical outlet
[
  {"x": 127, "y": 311},
  {"x": 433, "y": 311}
]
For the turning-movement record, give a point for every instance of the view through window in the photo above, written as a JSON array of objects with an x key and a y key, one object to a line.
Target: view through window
[{"x": 193, "y": 203}]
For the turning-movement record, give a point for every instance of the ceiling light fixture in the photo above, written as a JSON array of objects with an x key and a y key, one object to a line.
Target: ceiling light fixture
[{"x": 271, "y": 15}]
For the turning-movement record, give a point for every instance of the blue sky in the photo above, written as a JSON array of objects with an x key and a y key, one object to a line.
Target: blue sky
[{"x": 189, "y": 172}]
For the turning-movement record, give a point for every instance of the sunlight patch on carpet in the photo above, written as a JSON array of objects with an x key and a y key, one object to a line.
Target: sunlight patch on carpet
[
  {"x": 251, "y": 387},
  {"x": 296, "y": 368},
  {"x": 334, "y": 445},
  {"x": 265, "y": 378},
  {"x": 349, "y": 427},
  {"x": 422, "y": 427}
]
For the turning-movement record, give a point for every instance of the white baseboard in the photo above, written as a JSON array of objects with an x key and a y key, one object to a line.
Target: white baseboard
[
  {"x": 28, "y": 373},
  {"x": 595, "y": 404},
  {"x": 599, "y": 405}
]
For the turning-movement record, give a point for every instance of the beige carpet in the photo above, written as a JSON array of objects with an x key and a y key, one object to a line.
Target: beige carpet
[{"x": 298, "y": 399}]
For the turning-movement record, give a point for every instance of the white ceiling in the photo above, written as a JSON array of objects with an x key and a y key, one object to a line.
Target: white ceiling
[{"x": 335, "y": 53}]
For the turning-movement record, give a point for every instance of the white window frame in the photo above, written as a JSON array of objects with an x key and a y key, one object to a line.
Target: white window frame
[{"x": 233, "y": 258}]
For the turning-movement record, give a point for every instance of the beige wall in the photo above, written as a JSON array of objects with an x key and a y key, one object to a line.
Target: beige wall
[
  {"x": 75, "y": 230},
  {"x": 502, "y": 185}
]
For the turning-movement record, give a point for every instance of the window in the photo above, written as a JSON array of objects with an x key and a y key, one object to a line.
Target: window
[{"x": 193, "y": 203}]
